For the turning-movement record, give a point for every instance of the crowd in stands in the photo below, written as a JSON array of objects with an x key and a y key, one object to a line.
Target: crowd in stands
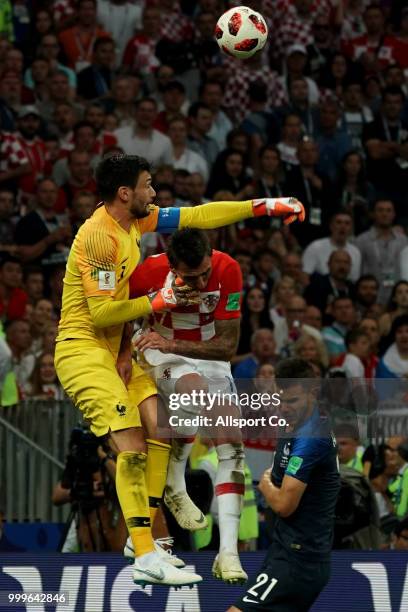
[{"x": 321, "y": 114}]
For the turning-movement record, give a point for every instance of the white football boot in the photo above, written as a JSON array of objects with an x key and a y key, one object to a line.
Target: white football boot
[
  {"x": 166, "y": 554},
  {"x": 186, "y": 513},
  {"x": 227, "y": 567},
  {"x": 154, "y": 571}
]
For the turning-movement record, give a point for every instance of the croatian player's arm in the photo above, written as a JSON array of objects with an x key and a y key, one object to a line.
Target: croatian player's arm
[
  {"x": 223, "y": 346},
  {"x": 306, "y": 453},
  {"x": 97, "y": 264},
  {"x": 217, "y": 214}
]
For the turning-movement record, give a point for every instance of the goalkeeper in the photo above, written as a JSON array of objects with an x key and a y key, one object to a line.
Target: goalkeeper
[{"x": 95, "y": 306}]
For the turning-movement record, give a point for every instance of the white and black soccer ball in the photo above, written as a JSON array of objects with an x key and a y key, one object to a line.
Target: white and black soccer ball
[{"x": 241, "y": 32}]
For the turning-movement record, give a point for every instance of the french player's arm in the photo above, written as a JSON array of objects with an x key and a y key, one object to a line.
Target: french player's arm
[
  {"x": 97, "y": 264},
  {"x": 218, "y": 214},
  {"x": 306, "y": 453}
]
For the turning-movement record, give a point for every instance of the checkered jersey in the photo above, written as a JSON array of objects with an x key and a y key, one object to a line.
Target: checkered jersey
[
  {"x": 219, "y": 301},
  {"x": 176, "y": 26},
  {"x": 12, "y": 154},
  {"x": 236, "y": 92},
  {"x": 140, "y": 54}
]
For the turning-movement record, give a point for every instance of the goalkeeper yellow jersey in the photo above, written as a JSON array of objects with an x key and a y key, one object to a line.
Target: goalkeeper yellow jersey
[{"x": 102, "y": 257}]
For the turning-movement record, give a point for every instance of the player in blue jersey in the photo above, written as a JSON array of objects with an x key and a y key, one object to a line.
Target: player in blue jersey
[{"x": 301, "y": 488}]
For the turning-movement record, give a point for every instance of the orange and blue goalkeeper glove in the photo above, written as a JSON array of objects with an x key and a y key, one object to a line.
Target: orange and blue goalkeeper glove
[
  {"x": 288, "y": 208},
  {"x": 179, "y": 294}
]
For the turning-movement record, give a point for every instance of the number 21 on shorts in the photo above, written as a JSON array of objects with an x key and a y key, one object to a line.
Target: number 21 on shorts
[{"x": 261, "y": 580}]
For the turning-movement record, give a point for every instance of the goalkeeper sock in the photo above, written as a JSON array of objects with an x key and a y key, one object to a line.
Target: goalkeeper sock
[
  {"x": 132, "y": 495},
  {"x": 180, "y": 452},
  {"x": 156, "y": 473},
  {"x": 229, "y": 489}
]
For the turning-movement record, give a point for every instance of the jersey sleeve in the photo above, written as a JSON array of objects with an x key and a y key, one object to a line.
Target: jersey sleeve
[
  {"x": 229, "y": 306},
  {"x": 149, "y": 223},
  {"x": 305, "y": 455},
  {"x": 149, "y": 276},
  {"x": 97, "y": 262}
]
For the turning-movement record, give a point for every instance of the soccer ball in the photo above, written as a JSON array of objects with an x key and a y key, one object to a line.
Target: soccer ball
[{"x": 241, "y": 32}]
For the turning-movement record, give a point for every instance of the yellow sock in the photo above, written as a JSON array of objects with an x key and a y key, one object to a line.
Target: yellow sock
[
  {"x": 133, "y": 499},
  {"x": 156, "y": 473}
]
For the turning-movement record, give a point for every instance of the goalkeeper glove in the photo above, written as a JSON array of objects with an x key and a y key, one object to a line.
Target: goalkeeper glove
[
  {"x": 288, "y": 208},
  {"x": 178, "y": 294}
]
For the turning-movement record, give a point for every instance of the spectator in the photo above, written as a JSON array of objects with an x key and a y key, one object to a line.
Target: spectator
[
  {"x": 139, "y": 56},
  {"x": 182, "y": 156},
  {"x": 144, "y": 140},
  {"x": 323, "y": 289},
  {"x": 344, "y": 317},
  {"x": 121, "y": 19},
  {"x": 212, "y": 94},
  {"x": 196, "y": 187},
  {"x": 316, "y": 255},
  {"x": 374, "y": 49},
  {"x": 83, "y": 205},
  {"x": 19, "y": 340},
  {"x": 96, "y": 116},
  {"x": 397, "y": 447},
  {"x": 6, "y": 223},
  {"x": 34, "y": 283},
  {"x": 394, "y": 363},
  {"x": 41, "y": 235},
  {"x": 348, "y": 442},
  {"x": 95, "y": 81},
  {"x": 312, "y": 350},
  {"x": 299, "y": 104},
  {"x": 306, "y": 183},
  {"x": 371, "y": 328},
  {"x": 41, "y": 318},
  {"x": 320, "y": 51},
  {"x": 358, "y": 349},
  {"x": 125, "y": 90},
  {"x": 255, "y": 316},
  {"x": 397, "y": 306},
  {"x": 380, "y": 248},
  {"x": 333, "y": 142},
  {"x": 175, "y": 105},
  {"x": 229, "y": 174},
  {"x": 80, "y": 176},
  {"x": 386, "y": 145},
  {"x": 294, "y": 68},
  {"x": 292, "y": 266},
  {"x": 64, "y": 119},
  {"x": 291, "y": 135},
  {"x": 335, "y": 77},
  {"x": 29, "y": 126},
  {"x": 366, "y": 294},
  {"x": 260, "y": 123},
  {"x": 263, "y": 350},
  {"x": 58, "y": 93},
  {"x": 77, "y": 41},
  {"x": 49, "y": 50},
  {"x": 354, "y": 193},
  {"x": 314, "y": 318},
  {"x": 289, "y": 329},
  {"x": 201, "y": 119},
  {"x": 283, "y": 290},
  {"x": 40, "y": 72},
  {"x": 14, "y": 163},
  {"x": 355, "y": 114},
  {"x": 401, "y": 43},
  {"x": 43, "y": 383},
  {"x": 13, "y": 299}
]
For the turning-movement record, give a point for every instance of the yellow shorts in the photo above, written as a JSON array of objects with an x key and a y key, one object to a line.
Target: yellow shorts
[{"x": 87, "y": 371}]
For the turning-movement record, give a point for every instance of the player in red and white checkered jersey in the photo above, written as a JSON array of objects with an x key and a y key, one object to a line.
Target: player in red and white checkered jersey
[{"x": 190, "y": 349}]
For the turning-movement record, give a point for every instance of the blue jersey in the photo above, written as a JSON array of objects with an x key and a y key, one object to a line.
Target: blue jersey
[{"x": 310, "y": 455}]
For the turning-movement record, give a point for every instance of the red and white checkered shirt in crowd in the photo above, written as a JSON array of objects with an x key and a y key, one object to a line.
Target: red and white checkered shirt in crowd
[
  {"x": 236, "y": 92},
  {"x": 219, "y": 300},
  {"x": 289, "y": 28},
  {"x": 12, "y": 154},
  {"x": 176, "y": 26},
  {"x": 62, "y": 9},
  {"x": 140, "y": 54}
]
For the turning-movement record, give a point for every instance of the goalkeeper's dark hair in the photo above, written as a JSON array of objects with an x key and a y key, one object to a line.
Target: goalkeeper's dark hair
[
  {"x": 293, "y": 371},
  {"x": 118, "y": 171},
  {"x": 188, "y": 246}
]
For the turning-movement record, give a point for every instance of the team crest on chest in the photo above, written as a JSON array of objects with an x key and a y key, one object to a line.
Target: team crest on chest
[{"x": 209, "y": 301}]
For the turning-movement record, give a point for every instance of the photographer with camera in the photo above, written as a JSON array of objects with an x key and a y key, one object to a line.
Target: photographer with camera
[{"x": 96, "y": 522}]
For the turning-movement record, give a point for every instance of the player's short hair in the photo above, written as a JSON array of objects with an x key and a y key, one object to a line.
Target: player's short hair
[
  {"x": 188, "y": 246},
  {"x": 118, "y": 171},
  {"x": 289, "y": 370}
]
